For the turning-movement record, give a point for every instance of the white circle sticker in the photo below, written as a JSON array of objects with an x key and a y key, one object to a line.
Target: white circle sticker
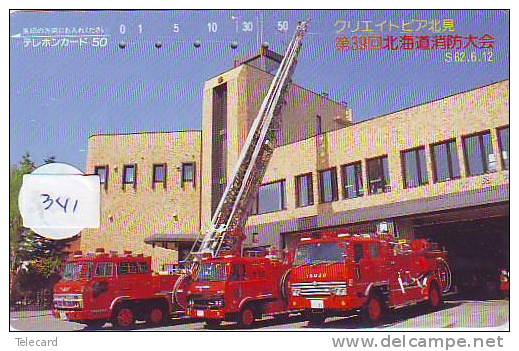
[{"x": 57, "y": 201}]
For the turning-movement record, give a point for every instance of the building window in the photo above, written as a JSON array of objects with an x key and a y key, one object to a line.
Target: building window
[
  {"x": 445, "y": 161},
  {"x": 102, "y": 172},
  {"x": 414, "y": 168},
  {"x": 378, "y": 175},
  {"x": 352, "y": 185},
  {"x": 159, "y": 175},
  {"x": 479, "y": 155},
  {"x": 318, "y": 125},
  {"x": 304, "y": 190},
  {"x": 188, "y": 173},
  {"x": 503, "y": 136},
  {"x": 130, "y": 175},
  {"x": 271, "y": 198},
  {"x": 328, "y": 185}
]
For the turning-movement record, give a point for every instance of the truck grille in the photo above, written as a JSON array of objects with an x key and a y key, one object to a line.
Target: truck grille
[
  {"x": 68, "y": 301},
  {"x": 212, "y": 303},
  {"x": 317, "y": 288}
]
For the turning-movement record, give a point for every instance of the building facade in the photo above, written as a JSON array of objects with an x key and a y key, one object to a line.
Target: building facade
[
  {"x": 150, "y": 193},
  {"x": 439, "y": 170}
]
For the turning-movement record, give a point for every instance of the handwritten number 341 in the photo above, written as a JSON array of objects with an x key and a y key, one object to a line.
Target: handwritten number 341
[{"x": 63, "y": 204}]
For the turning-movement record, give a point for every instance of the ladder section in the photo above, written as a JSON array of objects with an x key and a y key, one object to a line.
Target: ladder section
[{"x": 224, "y": 234}]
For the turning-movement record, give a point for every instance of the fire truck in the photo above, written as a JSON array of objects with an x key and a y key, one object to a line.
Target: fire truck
[
  {"x": 100, "y": 287},
  {"x": 504, "y": 282},
  {"x": 222, "y": 284},
  {"x": 238, "y": 289},
  {"x": 337, "y": 274}
]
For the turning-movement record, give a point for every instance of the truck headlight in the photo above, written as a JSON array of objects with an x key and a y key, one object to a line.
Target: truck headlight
[
  {"x": 340, "y": 291},
  {"x": 191, "y": 302},
  {"x": 296, "y": 292}
]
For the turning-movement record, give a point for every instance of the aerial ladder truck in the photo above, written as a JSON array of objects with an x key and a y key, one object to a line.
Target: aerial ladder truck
[{"x": 214, "y": 250}]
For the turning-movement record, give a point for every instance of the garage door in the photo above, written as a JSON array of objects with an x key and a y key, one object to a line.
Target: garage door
[{"x": 477, "y": 250}]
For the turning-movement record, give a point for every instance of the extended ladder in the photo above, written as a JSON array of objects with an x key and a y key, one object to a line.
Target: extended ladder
[{"x": 224, "y": 234}]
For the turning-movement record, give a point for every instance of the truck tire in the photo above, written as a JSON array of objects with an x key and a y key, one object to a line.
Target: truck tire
[
  {"x": 124, "y": 317},
  {"x": 246, "y": 317},
  {"x": 444, "y": 274},
  {"x": 283, "y": 285},
  {"x": 435, "y": 296},
  {"x": 157, "y": 315},
  {"x": 179, "y": 291},
  {"x": 374, "y": 309}
]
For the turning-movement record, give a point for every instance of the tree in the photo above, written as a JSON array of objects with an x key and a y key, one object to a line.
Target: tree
[
  {"x": 35, "y": 261},
  {"x": 49, "y": 159},
  {"x": 16, "y": 229},
  {"x": 16, "y": 174}
]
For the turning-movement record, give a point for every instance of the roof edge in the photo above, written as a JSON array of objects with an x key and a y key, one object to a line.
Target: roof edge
[{"x": 147, "y": 132}]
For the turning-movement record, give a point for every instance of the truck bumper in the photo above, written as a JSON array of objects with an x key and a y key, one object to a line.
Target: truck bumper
[
  {"x": 206, "y": 314},
  {"x": 78, "y": 316},
  {"x": 326, "y": 304}
]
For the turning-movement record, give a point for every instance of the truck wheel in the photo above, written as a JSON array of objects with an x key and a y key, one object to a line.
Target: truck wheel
[
  {"x": 315, "y": 318},
  {"x": 373, "y": 310},
  {"x": 435, "y": 296},
  {"x": 246, "y": 317},
  {"x": 123, "y": 317},
  {"x": 157, "y": 315},
  {"x": 213, "y": 323}
]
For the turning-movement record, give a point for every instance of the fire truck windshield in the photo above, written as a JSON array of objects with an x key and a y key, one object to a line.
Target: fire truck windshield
[
  {"x": 313, "y": 254},
  {"x": 212, "y": 272},
  {"x": 78, "y": 270}
]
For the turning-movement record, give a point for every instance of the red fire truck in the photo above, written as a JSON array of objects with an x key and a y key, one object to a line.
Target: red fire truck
[
  {"x": 225, "y": 285},
  {"x": 339, "y": 273},
  {"x": 504, "y": 282},
  {"x": 238, "y": 289},
  {"x": 102, "y": 287}
]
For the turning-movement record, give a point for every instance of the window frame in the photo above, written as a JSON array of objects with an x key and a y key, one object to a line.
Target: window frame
[
  {"x": 111, "y": 264},
  {"x": 255, "y": 207},
  {"x": 310, "y": 189},
  {"x": 335, "y": 185},
  {"x": 182, "y": 179},
  {"x": 416, "y": 153},
  {"x": 374, "y": 250},
  {"x": 154, "y": 182},
  {"x": 107, "y": 172},
  {"x": 449, "y": 160},
  {"x": 485, "y": 162},
  {"x": 129, "y": 264},
  {"x": 500, "y": 145},
  {"x": 125, "y": 170},
  {"x": 318, "y": 125},
  {"x": 358, "y": 255},
  {"x": 387, "y": 182},
  {"x": 360, "y": 190}
]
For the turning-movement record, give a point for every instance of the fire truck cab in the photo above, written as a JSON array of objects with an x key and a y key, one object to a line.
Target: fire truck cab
[
  {"x": 101, "y": 287},
  {"x": 238, "y": 289},
  {"x": 339, "y": 273}
]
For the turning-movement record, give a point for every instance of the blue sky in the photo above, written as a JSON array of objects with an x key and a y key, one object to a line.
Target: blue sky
[{"x": 61, "y": 96}]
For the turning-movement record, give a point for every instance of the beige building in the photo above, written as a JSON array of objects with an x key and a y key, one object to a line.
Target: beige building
[
  {"x": 438, "y": 170},
  {"x": 150, "y": 193}
]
